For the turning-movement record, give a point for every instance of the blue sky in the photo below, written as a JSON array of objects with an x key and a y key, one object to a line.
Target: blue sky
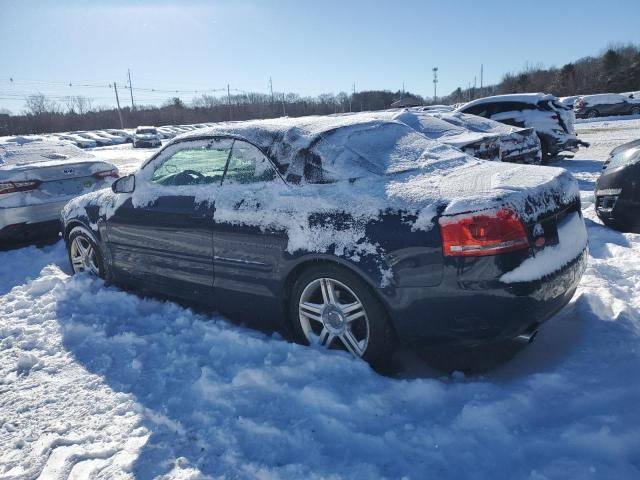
[{"x": 308, "y": 47}]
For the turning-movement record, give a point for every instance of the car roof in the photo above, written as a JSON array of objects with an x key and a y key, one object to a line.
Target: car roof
[
  {"x": 532, "y": 98},
  {"x": 291, "y": 142}
]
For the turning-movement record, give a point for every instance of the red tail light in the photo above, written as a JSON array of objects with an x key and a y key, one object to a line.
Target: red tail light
[
  {"x": 106, "y": 174},
  {"x": 483, "y": 234},
  {"x": 22, "y": 186}
]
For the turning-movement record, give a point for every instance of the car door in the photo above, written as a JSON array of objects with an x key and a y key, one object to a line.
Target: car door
[
  {"x": 161, "y": 237},
  {"x": 247, "y": 250}
]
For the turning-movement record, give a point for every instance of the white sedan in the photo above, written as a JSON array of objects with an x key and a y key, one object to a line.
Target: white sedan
[{"x": 37, "y": 179}]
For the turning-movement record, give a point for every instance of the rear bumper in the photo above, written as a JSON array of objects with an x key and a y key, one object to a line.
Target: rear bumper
[
  {"x": 30, "y": 215},
  {"x": 468, "y": 311},
  {"x": 146, "y": 143}
]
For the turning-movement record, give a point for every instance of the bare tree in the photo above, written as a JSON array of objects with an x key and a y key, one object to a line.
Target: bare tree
[
  {"x": 78, "y": 104},
  {"x": 39, "y": 104}
]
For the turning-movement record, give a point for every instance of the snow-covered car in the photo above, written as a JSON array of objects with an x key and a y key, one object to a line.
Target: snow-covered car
[
  {"x": 100, "y": 140},
  {"x": 37, "y": 179},
  {"x": 606, "y": 104},
  {"x": 552, "y": 121},
  {"x": 517, "y": 145},
  {"x": 354, "y": 232},
  {"x": 79, "y": 141},
  {"x": 128, "y": 137},
  {"x": 480, "y": 145},
  {"x": 115, "y": 139},
  {"x": 618, "y": 189},
  {"x": 167, "y": 133},
  {"x": 568, "y": 101},
  {"x": 146, "y": 137}
]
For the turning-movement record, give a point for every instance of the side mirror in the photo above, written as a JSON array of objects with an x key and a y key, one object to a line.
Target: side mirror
[{"x": 124, "y": 184}]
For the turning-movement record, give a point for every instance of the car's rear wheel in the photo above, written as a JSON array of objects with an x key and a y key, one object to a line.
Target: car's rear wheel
[
  {"x": 84, "y": 253},
  {"x": 591, "y": 113},
  {"x": 335, "y": 309},
  {"x": 635, "y": 111}
]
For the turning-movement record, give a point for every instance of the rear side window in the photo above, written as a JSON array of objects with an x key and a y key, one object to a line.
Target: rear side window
[
  {"x": 248, "y": 165},
  {"x": 512, "y": 107}
]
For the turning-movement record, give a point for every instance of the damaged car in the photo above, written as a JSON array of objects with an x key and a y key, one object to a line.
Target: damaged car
[
  {"x": 347, "y": 233},
  {"x": 552, "y": 121}
]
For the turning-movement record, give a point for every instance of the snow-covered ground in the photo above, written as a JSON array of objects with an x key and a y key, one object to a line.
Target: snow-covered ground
[{"x": 99, "y": 383}]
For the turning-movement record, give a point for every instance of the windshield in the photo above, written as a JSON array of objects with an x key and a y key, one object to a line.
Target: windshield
[
  {"x": 624, "y": 158},
  {"x": 151, "y": 131}
]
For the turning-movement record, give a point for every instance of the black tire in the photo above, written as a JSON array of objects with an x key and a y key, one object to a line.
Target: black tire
[
  {"x": 85, "y": 236},
  {"x": 592, "y": 113},
  {"x": 546, "y": 154},
  {"x": 635, "y": 111},
  {"x": 381, "y": 337}
]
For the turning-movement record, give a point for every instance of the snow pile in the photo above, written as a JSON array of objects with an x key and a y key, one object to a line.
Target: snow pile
[{"x": 572, "y": 239}]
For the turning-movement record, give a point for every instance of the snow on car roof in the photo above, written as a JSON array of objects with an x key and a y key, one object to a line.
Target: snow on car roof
[
  {"x": 382, "y": 145},
  {"x": 16, "y": 153},
  {"x": 532, "y": 98}
]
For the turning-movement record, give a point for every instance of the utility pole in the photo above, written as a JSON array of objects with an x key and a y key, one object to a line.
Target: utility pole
[
  {"x": 284, "y": 110},
  {"x": 481, "y": 78},
  {"x": 435, "y": 84},
  {"x": 115, "y": 88},
  {"x": 271, "y": 89},
  {"x": 133, "y": 107},
  {"x": 229, "y": 100}
]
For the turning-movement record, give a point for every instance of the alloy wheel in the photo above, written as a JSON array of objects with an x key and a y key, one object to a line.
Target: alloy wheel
[
  {"x": 332, "y": 316},
  {"x": 83, "y": 256}
]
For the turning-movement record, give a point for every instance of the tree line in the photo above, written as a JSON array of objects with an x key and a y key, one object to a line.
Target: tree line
[{"x": 616, "y": 69}]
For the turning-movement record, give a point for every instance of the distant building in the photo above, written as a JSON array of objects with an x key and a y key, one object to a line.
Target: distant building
[{"x": 408, "y": 101}]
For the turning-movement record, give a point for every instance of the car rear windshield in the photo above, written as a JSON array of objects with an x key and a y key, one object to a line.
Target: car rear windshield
[
  {"x": 146, "y": 130},
  {"x": 365, "y": 149}
]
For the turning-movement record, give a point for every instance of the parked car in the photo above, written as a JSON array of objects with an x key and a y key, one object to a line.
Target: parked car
[
  {"x": 167, "y": 132},
  {"x": 101, "y": 141},
  {"x": 115, "y": 139},
  {"x": 79, "y": 141},
  {"x": 569, "y": 101},
  {"x": 480, "y": 145},
  {"x": 517, "y": 145},
  {"x": 128, "y": 137},
  {"x": 146, "y": 137},
  {"x": 354, "y": 233},
  {"x": 618, "y": 189},
  {"x": 606, "y": 104},
  {"x": 552, "y": 121},
  {"x": 37, "y": 179}
]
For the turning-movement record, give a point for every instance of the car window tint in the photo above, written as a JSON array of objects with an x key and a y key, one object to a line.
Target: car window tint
[
  {"x": 194, "y": 165},
  {"x": 248, "y": 165}
]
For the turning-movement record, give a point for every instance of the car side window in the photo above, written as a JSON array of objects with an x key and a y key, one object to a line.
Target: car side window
[
  {"x": 194, "y": 165},
  {"x": 248, "y": 165},
  {"x": 482, "y": 110}
]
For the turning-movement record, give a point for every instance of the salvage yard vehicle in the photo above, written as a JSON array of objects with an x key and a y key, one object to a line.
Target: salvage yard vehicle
[
  {"x": 480, "y": 145},
  {"x": 355, "y": 232},
  {"x": 37, "y": 179},
  {"x": 146, "y": 137},
  {"x": 100, "y": 140},
  {"x": 552, "y": 121},
  {"x": 517, "y": 145},
  {"x": 79, "y": 141},
  {"x": 618, "y": 189},
  {"x": 606, "y": 104}
]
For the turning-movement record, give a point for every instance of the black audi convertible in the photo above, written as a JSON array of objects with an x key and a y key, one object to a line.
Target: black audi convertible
[{"x": 349, "y": 233}]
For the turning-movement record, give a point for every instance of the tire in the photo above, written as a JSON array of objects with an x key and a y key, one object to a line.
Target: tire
[
  {"x": 591, "y": 113},
  {"x": 635, "y": 111},
  {"x": 92, "y": 261},
  {"x": 334, "y": 308},
  {"x": 546, "y": 154}
]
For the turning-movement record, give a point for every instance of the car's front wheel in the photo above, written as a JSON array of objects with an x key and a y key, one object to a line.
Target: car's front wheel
[
  {"x": 335, "y": 309},
  {"x": 591, "y": 114},
  {"x": 84, "y": 253}
]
